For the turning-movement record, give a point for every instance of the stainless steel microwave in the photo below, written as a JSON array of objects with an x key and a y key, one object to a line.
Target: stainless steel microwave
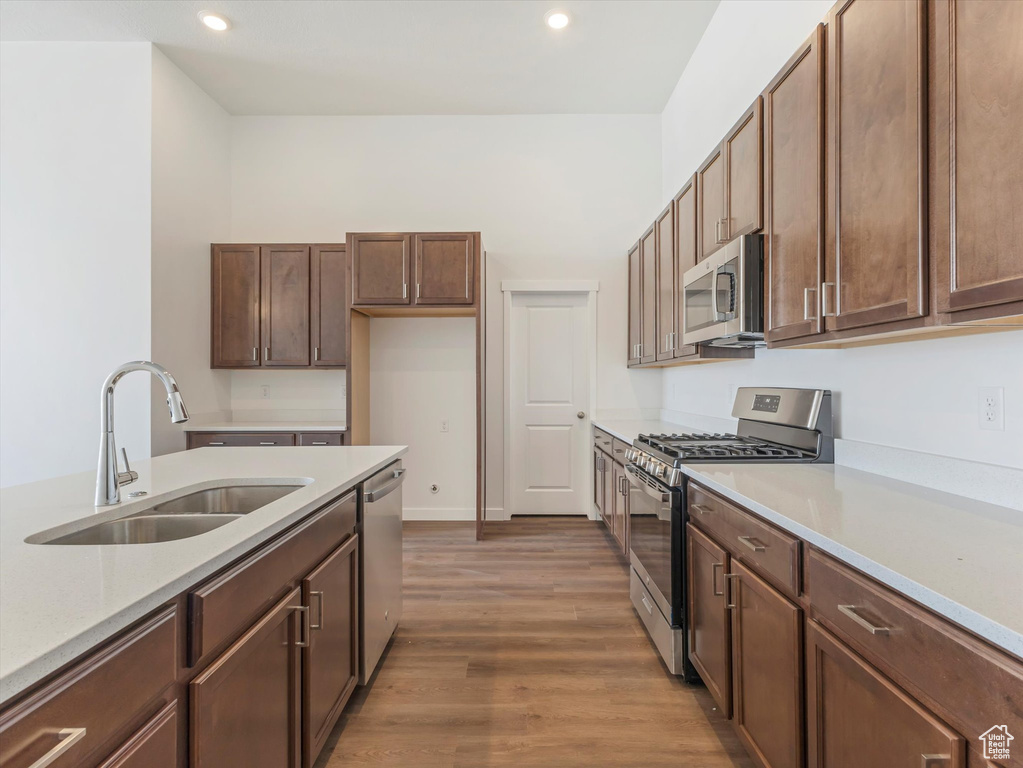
[{"x": 722, "y": 298}]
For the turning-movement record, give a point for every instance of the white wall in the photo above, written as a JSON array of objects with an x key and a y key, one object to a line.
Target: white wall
[
  {"x": 305, "y": 390},
  {"x": 555, "y": 196},
  {"x": 918, "y": 395},
  {"x": 74, "y": 251},
  {"x": 191, "y": 208}
]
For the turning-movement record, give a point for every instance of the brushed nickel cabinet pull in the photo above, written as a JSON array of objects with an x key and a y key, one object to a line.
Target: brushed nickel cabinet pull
[
  {"x": 319, "y": 613},
  {"x": 217, "y": 443},
  {"x": 316, "y": 354},
  {"x": 930, "y": 761},
  {"x": 319, "y": 442},
  {"x": 714, "y": 578},
  {"x": 404, "y": 290},
  {"x": 806, "y": 303},
  {"x": 306, "y": 626},
  {"x": 268, "y": 442},
  {"x": 419, "y": 291},
  {"x": 266, "y": 353},
  {"x": 748, "y": 541},
  {"x": 730, "y": 600},
  {"x": 701, "y": 509},
  {"x": 68, "y": 738},
  {"x": 255, "y": 354},
  {"x": 824, "y": 299},
  {"x": 850, "y": 611}
]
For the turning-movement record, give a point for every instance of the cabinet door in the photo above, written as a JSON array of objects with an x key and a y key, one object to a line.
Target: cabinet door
[
  {"x": 767, "y": 670},
  {"x": 381, "y": 266},
  {"x": 876, "y": 244},
  {"x": 710, "y": 190},
  {"x": 710, "y": 633},
  {"x": 686, "y": 252},
  {"x": 444, "y": 268},
  {"x": 245, "y": 706},
  {"x": 666, "y": 297},
  {"x": 794, "y": 188},
  {"x": 330, "y": 667},
  {"x": 328, "y": 319},
  {"x": 648, "y": 262},
  {"x": 980, "y": 112},
  {"x": 154, "y": 745},
  {"x": 744, "y": 172},
  {"x": 285, "y": 305},
  {"x": 598, "y": 486},
  {"x": 620, "y": 505},
  {"x": 857, "y": 717},
  {"x": 635, "y": 304},
  {"x": 235, "y": 306}
]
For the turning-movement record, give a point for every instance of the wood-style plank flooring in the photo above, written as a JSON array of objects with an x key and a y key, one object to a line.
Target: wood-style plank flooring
[{"x": 524, "y": 650}]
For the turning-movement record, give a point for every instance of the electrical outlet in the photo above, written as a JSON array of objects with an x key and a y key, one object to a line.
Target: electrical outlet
[
  {"x": 444, "y": 425},
  {"x": 264, "y": 391},
  {"x": 991, "y": 408}
]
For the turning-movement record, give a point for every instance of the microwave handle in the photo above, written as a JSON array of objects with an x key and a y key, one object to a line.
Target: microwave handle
[{"x": 714, "y": 296}]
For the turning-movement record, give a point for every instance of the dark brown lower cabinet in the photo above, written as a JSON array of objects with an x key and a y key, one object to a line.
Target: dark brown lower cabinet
[
  {"x": 620, "y": 506},
  {"x": 767, "y": 670},
  {"x": 710, "y": 634},
  {"x": 330, "y": 668},
  {"x": 245, "y": 707},
  {"x": 598, "y": 485},
  {"x": 857, "y": 717},
  {"x": 155, "y": 745}
]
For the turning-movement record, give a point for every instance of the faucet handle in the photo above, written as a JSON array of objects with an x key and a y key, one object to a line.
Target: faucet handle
[{"x": 128, "y": 476}]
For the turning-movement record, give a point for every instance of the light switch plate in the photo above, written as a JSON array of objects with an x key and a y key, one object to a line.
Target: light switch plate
[{"x": 991, "y": 408}]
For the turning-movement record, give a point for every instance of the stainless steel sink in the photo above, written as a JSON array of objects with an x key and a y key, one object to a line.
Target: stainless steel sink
[
  {"x": 146, "y": 529},
  {"x": 181, "y": 518}
]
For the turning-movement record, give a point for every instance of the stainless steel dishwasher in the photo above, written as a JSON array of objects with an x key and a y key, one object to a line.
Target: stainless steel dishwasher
[{"x": 379, "y": 565}]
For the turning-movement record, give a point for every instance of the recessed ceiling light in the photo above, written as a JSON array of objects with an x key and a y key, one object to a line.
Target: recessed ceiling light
[
  {"x": 556, "y": 19},
  {"x": 215, "y": 21}
]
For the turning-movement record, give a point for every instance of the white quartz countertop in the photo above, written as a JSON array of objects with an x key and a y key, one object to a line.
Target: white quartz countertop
[
  {"x": 267, "y": 426},
  {"x": 58, "y": 601},
  {"x": 959, "y": 557}
]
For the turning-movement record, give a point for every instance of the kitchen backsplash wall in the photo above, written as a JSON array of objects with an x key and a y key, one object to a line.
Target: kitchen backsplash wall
[{"x": 269, "y": 390}]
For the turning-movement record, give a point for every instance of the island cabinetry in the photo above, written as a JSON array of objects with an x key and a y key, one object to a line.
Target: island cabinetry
[
  {"x": 155, "y": 745},
  {"x": 265, "y": 439}
]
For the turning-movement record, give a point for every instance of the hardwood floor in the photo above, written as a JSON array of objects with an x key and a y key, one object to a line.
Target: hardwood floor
[{"x": 524, "y": 650}]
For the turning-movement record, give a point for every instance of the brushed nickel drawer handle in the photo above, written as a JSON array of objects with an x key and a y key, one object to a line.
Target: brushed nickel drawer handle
[
  {"x": 217, "y": 443},
  {"x": 647, "y": 605},
  {"x": 319, "y": 442},
  {"x": 850, "y": 611},
  {"x": 68, "y": 738},
  {"x": 806, "y": 303},
  {"x": 316, "y": 354},
  {"x": 266, "y": 353},
  {"x": 748, "y": 541},
  {"x": 929, "y": 761},
  {"x": 267, "y": 442},
  {"x": 255, "y": 355},
  {"x": 701, "y": 509},
  {"x": 319, "y": 613},
  {"x": 306, "y": 626},
  {"x": 730, "y": 603},
  {"x": 824, "y": 299},
  {"x": 714, "y": 579}
]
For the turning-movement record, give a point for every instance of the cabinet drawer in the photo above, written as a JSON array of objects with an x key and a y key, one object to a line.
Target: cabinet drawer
[
  {"x": 618, "y": 450},
  {"x": 321, "y": 438},
  {"x": 104, "y": 697},
  {"x": 154, "y": 745},
  {"x": 966, "y": 682},
  {"x": 602, "y": 440},
  {"x": 227, "y": 604},
  {"x": 235, "y": 439},
  {"x": 771, "y": 552}
]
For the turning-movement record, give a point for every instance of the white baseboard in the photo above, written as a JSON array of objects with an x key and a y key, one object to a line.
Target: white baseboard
[
  {"x": 430, "y": 513},
  {"x": 497, "y": 513}
]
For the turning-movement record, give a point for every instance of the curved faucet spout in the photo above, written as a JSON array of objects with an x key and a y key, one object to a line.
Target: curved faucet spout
[{"x": 108, "y": 479}]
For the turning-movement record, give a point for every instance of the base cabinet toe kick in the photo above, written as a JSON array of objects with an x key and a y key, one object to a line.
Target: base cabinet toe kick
[
  {"x": 252, "y": 667},
  {"x": 819, "y": 665}
]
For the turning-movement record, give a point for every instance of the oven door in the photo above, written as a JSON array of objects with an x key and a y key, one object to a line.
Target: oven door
[
  {"x": 712, "y": 296},
  {"x": 655, "y": 540}
]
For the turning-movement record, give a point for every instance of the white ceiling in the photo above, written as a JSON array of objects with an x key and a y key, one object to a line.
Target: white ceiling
[{"x": 384, "y": 57}]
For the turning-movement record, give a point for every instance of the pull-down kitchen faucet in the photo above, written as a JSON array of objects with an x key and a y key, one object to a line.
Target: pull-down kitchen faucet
[{"x": 108, "y": 479}]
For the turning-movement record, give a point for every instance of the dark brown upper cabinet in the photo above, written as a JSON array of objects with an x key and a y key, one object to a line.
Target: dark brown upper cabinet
[
  {"x": 327, "y": 319},
  {"x": 285, "y": 304},
  {"x": 648, "y": 262},
  {"x": 794, "y": 194},
  {"x": 235, "y": 306},
  {"x": 381, "y": 268},
  {"x": 977, "y": 150},
  {"x": 710, "y": 212},
  {"x": 877, "y": 164},
  {"x": 667, "y": 332},
  {"x": 635, "y": 305},
  {"x": 687, "y": 253},
  {"x": 444, "y": 271}
]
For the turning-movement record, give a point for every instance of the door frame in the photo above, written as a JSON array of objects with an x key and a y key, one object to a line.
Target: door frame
[{"x": 511, "y": 287}]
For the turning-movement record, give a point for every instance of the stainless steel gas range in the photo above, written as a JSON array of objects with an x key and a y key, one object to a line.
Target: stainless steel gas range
[{"x": 775, "y": 425}]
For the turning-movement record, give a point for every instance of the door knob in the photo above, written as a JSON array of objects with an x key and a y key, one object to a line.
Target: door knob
[{"x": 580, "y": 415}]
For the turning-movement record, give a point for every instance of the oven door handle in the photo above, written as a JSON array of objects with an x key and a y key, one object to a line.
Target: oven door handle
[{"x": 637, "y": 481}]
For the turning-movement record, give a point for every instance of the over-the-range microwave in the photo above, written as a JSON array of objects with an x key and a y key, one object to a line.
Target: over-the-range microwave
[{"x": 722, "y": 298}]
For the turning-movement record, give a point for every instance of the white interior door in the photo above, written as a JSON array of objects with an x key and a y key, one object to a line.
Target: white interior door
[{"x": 548, "y": 369}]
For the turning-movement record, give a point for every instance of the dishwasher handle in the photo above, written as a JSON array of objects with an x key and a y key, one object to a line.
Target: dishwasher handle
[{"x": 378, "y": 493}]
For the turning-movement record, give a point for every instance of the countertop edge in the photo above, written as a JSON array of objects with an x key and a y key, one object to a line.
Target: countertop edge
[
  {"x": 991, "y": 631},
  {"x": 71, "y": 649},
  {"x": 269, "y": 426}
]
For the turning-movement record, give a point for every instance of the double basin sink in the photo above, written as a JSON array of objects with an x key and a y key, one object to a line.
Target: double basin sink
[{"x": 180, "y": 518}]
